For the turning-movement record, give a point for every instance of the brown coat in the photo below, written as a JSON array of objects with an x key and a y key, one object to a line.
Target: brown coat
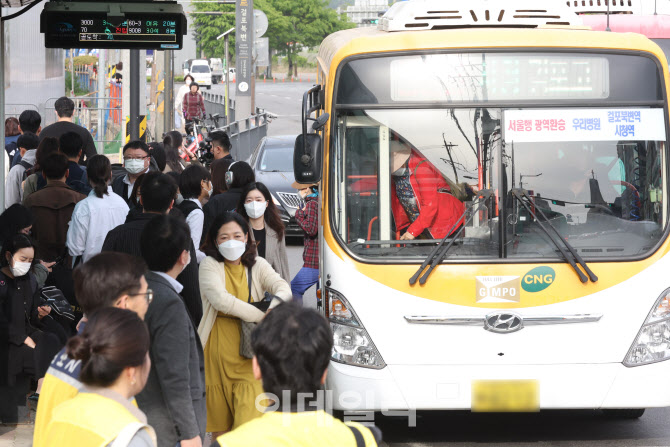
[{"x": 52, "y": 208}]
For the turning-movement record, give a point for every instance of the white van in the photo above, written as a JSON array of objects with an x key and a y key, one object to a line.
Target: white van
[{"x": 201, "y": 73}]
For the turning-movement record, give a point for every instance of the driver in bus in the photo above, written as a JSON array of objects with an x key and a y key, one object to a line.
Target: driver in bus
[{"x": 422, "y": 201}]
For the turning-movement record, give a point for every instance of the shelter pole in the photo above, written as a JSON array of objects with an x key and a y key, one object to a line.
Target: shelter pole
[
  {"x": 102, "y": 103},
  {"x": 134, "y": 86},
  {"x": 227, "y": 74},
  {"x": 3, "y": 158}
]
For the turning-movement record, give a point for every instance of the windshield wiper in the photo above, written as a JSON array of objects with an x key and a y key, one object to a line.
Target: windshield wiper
[
  {"x": 520, "y": 194},
  {"x": 483, "y": 196}
]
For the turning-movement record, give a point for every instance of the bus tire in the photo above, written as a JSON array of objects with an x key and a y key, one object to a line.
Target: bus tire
[{"x": 624, "y": 413}]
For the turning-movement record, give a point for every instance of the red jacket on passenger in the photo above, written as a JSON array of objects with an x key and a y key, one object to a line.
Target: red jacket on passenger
[{"x": 438, "y": 211}]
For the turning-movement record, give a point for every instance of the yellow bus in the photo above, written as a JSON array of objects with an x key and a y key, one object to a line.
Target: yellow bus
[{"x": 493, "y": 213}]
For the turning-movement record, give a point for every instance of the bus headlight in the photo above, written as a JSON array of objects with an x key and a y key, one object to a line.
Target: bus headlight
[
  {"x": 352, "y": 344},
  {"x": 652, "y": 343}
]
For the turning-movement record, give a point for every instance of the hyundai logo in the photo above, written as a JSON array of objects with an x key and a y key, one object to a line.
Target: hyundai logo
[{"x": 503, "y": 322}]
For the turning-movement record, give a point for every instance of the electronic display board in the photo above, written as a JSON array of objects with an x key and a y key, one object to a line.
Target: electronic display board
[{"x": 159, "y": 25}]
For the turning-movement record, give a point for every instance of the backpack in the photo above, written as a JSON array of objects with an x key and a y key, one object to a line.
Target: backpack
[{"x": 28, "y": 169}]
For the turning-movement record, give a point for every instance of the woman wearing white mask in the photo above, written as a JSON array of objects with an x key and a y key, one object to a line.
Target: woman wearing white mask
[
  {"x": 179, "y": 101},
  {"x": 195, "y": 186},
  {"x": 34, "y": 338},
  {"x": 232, "y": 276},
  {"x": 259, "y": 210}
]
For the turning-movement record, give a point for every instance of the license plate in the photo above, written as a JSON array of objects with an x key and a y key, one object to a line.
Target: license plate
[{"x": 505, "y": 396}]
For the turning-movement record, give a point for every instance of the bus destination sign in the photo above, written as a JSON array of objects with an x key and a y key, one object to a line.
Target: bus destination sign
[{"x": 131, "y": 29}]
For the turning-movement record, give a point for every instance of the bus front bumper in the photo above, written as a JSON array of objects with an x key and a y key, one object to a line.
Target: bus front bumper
[{"x": 443, "y": 387}]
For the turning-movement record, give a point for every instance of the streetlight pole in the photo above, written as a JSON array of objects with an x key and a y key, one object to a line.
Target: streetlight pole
[{"x": 227, "y": 73}]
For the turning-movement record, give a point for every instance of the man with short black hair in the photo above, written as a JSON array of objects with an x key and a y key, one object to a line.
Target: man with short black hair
[
  {"x": 29, "y": 121},
  {"x": 292, "y": 347},
  {"x": 71, "y": 145},
  {"x": 105, "y": 280},
  {"x": 221, "y": 145},
  {"x": 136, "y": 161},
  {"x": 174, "y": 396},
  {"x": 65, "y": 109},
  {"x": 52, "y": 208},
  {"x": 27, "y": 147},
  {"x": 157, "y": 198}
]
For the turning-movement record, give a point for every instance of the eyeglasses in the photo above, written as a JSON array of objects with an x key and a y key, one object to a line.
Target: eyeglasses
[
  {"x": 149, "y": 295},
  {"x": 136, "y": 158}
]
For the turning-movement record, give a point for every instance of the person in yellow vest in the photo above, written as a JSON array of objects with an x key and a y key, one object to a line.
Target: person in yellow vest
[
  {"x": 114, "y": 351},
  {"x": 232, "y": 278},
  {"x": 292, "y": 347},
  {"x": 106, "y": 280}
]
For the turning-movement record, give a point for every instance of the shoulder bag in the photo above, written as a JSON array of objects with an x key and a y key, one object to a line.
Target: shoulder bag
[{"x": 247, "y": 327}]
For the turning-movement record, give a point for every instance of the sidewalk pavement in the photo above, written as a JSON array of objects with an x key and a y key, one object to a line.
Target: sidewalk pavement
[{"x": 16, "y": 435}]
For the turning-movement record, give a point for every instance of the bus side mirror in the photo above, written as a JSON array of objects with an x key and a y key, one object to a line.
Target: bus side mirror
[{"x": 307, "y": 158}]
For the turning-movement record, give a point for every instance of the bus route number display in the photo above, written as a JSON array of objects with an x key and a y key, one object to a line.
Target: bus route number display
[{"x": 99, "y": 30}]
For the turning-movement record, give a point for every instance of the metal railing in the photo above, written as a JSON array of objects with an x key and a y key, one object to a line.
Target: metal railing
[
  {"x": 246, "y": 134},
  {"x": 216, "y": 103}
]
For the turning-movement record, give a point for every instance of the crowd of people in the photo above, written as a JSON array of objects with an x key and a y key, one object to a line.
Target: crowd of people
[{"x": 180, "y": 312}]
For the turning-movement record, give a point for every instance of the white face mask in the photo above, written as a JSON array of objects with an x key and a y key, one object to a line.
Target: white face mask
[
  {"x": 188, "y": 82},
  {"x": 233, "y": 249},
  {"x": 179, "y": 199},
  {"x": 20, "y": 268},
  {"x": 134, "y": 166},
  {"x": 255, "y": 209},
  {"x": 211, "y": 189}
]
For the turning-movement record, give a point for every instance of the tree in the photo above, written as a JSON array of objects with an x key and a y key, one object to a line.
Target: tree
[
  {"x": 209, "y": 26},
  {"x": 292, "y": 24},
  {"x": 302, "y": 23}
]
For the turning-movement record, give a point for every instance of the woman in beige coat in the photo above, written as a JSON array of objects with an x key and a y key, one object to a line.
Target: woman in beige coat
[
  {"x": 259, "y": 210},
  {"x": 230, "y": 276}
]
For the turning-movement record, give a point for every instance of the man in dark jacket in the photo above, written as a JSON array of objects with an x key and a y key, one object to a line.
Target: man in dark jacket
[
  {"x": 65, "y": 109},
  {"x": 239, "y": 174},
  {"x": 71, "y": 145},
  {"x": 174, "y": 396},
  {"x": 158, "y": 194},
  {"x": 136, "y": 161},
  {"x": 52, "y": 208}
]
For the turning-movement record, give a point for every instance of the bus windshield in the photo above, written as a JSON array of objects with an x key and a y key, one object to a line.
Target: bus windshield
[{"x": 412, "y": 175}]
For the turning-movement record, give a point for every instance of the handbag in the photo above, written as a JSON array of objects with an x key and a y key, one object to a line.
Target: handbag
[
  {"x": 54, "y": 298},
  {"x": 247, "y": 327}
]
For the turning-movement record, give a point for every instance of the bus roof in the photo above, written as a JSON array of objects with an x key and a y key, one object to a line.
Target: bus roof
[
  {"x": 652, "y": 26},
  {"x": 346, "y": 43}
]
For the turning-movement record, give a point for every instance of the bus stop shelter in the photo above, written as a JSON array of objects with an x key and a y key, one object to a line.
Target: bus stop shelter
[{"x": 25, "y": 5}]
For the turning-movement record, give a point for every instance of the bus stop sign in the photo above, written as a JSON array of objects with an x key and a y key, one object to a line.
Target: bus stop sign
[{"x": 141, "y": 25}]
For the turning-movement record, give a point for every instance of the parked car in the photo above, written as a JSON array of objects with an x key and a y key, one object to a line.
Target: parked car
[{"x": 272, "y": 162}]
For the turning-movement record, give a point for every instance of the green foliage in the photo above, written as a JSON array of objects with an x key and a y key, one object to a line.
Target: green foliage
[
  {"x": 79, "y": 90},
  {"x": 292, "y": 24},
  {"x": 81, "y": 60},
  {"x": 208, "y": 27}
]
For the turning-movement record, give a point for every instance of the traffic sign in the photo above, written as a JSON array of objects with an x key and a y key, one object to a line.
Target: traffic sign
[{"x": 260, "y": 23}]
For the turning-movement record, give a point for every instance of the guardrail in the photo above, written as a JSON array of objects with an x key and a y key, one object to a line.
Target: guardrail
[
  {"x": 246, "y": 134},
  {"x": 216, "y": 103}
]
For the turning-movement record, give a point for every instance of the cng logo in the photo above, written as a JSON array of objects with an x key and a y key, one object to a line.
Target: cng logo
[{"x": 538, "y": 279}]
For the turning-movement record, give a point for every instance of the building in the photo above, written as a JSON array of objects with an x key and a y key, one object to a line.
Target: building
[{"x": 365, "y": 12}]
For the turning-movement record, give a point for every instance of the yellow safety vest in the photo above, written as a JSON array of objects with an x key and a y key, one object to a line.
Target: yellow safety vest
[
  {"x": 90, "y": 420},
  {"x": 306, "y": 429}
]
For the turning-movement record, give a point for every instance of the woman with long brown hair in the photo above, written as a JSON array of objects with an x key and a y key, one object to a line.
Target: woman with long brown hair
[
  {"x": 232, "y": 277},
  {"x": 259, "y": 210},
  {"x": 172, "y": 143}
]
